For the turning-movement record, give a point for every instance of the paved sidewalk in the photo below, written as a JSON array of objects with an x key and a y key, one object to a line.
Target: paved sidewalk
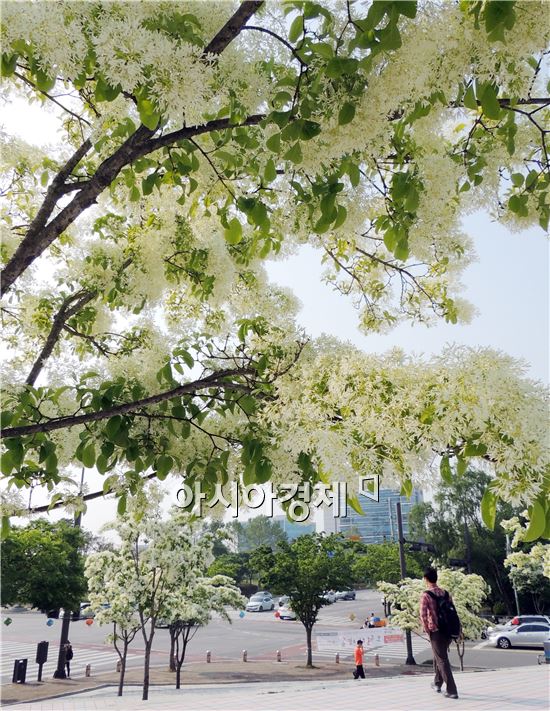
[{"x": 518, "y": 689}]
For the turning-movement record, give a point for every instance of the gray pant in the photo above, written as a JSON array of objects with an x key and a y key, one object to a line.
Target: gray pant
[{"x": 442, "y": 667}]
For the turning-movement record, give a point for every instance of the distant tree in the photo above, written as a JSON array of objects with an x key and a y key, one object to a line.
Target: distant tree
[
  {"x": 304, "y": 570},
  {"x": 258, "y": 531},
  {"x": 42, "y": 565},
  {"x": 452, "y": 523},
  {"x": 222, "y": 536},
  {"x": 380, "y": 561},
  {"x": 232, "y": 565}
]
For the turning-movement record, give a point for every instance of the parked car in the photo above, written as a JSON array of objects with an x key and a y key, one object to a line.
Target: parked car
[
  {"x": 519, "y": 635},
  {"x": 519, "y": 620},
  {"x": 260, "y": 601},
  {"x": 287, "y": 613},
  {"x": 84, "y": 612},
  {"x": 329, "y": 596},
  {"x": 345, "y": 595},
  {"x": 283, "y": 600}
]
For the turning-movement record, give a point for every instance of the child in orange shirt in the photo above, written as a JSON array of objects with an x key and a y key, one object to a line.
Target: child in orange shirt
[{"x": 359, "y": 671}]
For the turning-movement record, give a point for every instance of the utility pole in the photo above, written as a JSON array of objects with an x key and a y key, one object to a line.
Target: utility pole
[
  {"x": 59, "y": 673},
  {"x": 508, "y": 551},
  {"x": 403, "y": 565}
]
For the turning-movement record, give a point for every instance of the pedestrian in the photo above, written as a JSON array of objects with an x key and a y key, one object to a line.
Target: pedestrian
[
  {"x": 440, "y": 621},
  {"x": 359, "y": 671},
  {"x": 371, "y": 620},
  {"x": 68, "y": 656}
]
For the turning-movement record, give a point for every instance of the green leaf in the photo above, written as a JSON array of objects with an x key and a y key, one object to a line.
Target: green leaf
[
  {"x": 270, "y": 172},
  {"x": 17, "y": 453},
  {"x": 446, "y": 471},
  {"x": 294, "y": 153},
  {"x": 354, "y": 174},
  {"x": 88, "y": 456},
  {"x": 113, "y": 426},
  {"x": 537, "y": 522},
  {"x": 355, "y": 504},
  {"x": 148, "y": 114},
  {"x": 263, "y": 471},
  {"x": 401, "y": 252},
  {"x": 469, "y": 100},
  {"x": 390, "y": 239},
  {"x": 121, "y": 506},
  {"x": 6, "y": 463},
  {"x": 407, "y": 8},
  {"x": 274, "y": 143},
  {"x": 489, "y": 509},
  {"x": 407, "y": 488},
  {"x": 106, "y": 92},
  {"x": 9, "y": 62},
  {"x": 346, "y": 114},
  {"x": 475, "y": 449},
  {"x": 163, "y": 466},
  {"x": 489, "y": 102},
  {"x": 340, "y": 218},
  {"x": 234, "y": 232},
  {"x": 43, "y": 81},
  {"x": 517, "y": 179},
  {"x": 323, "y": 49},
  {"x": 461, "y": 466},
  {"x": 296, "y": 28},
  {"x": 249, "y": 474}
]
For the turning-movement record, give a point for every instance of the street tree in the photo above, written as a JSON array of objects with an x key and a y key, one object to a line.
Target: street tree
[
  {"x": 158, "y": 573},
  {"x": 528, "y": 564},
  {"x": 468, "y": 591},
  {"x": 109, "y": 581},
  {"x": 305, "y": 569},
  {"x": 143, "y": 336},
  {"x": 380, "y": 561},
  {"x": 43, "y": 566}
]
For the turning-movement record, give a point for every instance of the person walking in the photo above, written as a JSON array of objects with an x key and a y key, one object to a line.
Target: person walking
[
  {"x": 439, "y": 620},
  {"x": 359, "y": 671},
  {"x": 68, "y": 656}
]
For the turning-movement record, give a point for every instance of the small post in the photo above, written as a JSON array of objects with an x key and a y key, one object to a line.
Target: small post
[
  {"x": 337, "y": 658},
  {"x": 245, "y": 655},
  {"x": 88, "y": 671},
  {"x": 208, "y": 656},
  {"x": 279, "y": 655},
  {"x": 118, "y": 667},
  {"x": 376, "y": 660}
]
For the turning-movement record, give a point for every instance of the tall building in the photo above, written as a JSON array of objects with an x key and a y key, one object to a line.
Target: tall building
[
  {"x": 378, "y": 523},
  {"x": 293, "y": 529}
]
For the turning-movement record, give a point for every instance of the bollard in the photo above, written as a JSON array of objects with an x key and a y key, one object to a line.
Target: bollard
[
  {"x": 118, "y": 667},
  {"x": 337, "y": 658},
  {"x": 245, "y": 655},
  {"x": 208, "y": 656},
  {"x": 279, "y": 655},
  {"x": 88, "y": 671},
  {"x": 376, "y": 660}
]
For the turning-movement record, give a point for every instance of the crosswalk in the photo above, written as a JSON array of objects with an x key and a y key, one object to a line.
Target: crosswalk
[
  {"x": 393, "y": 650},
  {"x": 99, "y": 658}
]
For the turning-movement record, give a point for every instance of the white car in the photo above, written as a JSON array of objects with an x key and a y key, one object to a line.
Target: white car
[
  {"x": 534, "y": 634},
  {"x": 260, "y": 602},
  {"x": 287, "y": 613},
  {"x": 329, "y": 596}
]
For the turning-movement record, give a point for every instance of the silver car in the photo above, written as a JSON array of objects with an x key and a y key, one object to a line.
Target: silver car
[{"x": 534, "y": 634}]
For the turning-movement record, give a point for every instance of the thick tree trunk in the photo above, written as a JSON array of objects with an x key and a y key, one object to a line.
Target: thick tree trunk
[{"x": 309, "y": 662}]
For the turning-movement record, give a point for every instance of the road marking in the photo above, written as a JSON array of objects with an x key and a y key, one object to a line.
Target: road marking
[{"x": 482, "y": 644}]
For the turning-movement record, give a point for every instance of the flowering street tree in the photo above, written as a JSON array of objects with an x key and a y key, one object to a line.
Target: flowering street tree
[
  {"x": 468, "y": 592},
  {"x": 198, "y": 139},
  {"x": 529, "y": 565},
  {"x": 159, "y": 572}
]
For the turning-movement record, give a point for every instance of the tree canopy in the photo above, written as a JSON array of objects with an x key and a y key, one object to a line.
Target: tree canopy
[
  {"x": 198, "y": 140},
  {"x": 43, "y": 566}
]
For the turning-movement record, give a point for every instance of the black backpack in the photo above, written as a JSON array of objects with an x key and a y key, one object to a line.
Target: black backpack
[
  {"x": 448, "y": 621},
  {"x": 68, "y": 653}
]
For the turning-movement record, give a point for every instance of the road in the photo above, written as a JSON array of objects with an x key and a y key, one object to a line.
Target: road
[{"x": 261, "y": 634}]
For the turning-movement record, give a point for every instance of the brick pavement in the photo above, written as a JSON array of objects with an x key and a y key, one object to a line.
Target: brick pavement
[{"x": 518, "y": 689}]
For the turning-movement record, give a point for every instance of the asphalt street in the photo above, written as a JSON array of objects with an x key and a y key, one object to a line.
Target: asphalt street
[{"x": 261, "y": 634}]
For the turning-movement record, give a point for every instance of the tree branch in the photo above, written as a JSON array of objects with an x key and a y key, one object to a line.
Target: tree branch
[
  {"x": 233, "y": 27},
  {"x": 216, "y": 379},
  {"x": 64, "y": 313}
]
